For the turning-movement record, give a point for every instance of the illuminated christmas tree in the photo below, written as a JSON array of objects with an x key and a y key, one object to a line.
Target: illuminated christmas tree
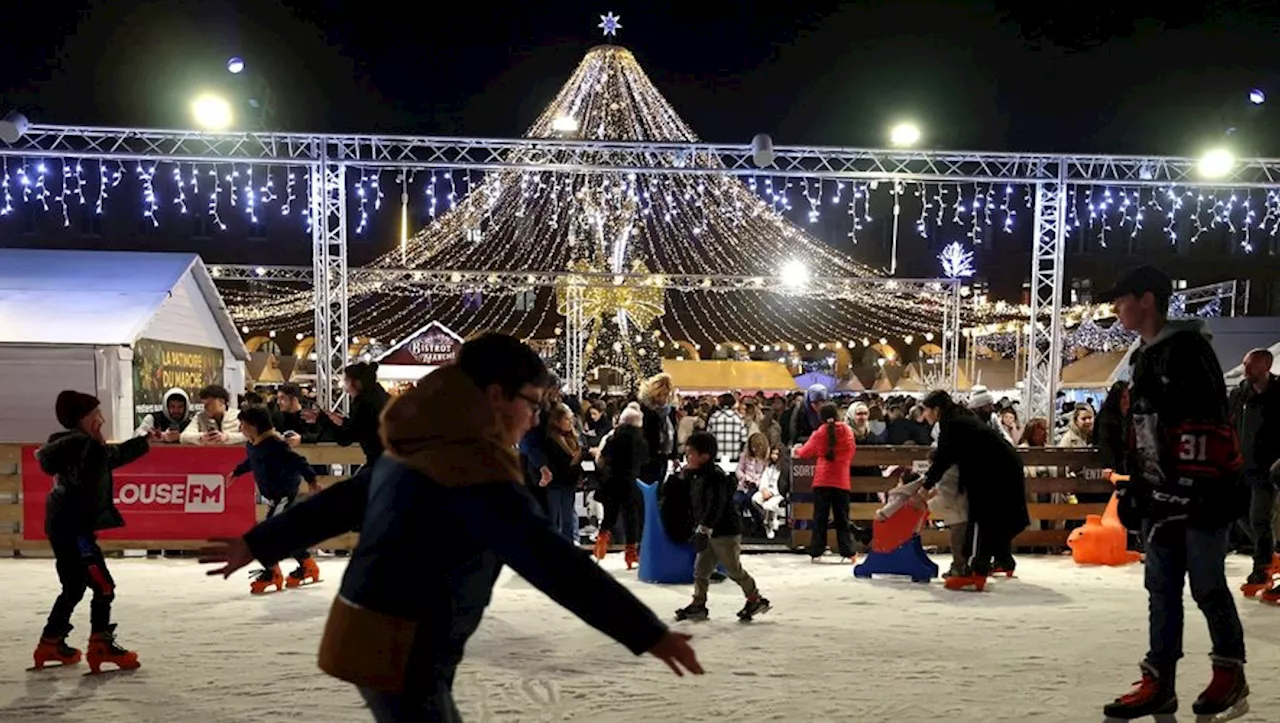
[{"x": 678, "y": 223}]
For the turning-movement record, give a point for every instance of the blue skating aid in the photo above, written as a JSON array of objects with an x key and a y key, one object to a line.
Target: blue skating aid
[
  {"x": 890, "y": 555},
  {"x": 661, "y": 560}
]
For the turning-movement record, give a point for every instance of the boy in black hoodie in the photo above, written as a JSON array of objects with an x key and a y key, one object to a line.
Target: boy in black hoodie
[
  {"x": 79, "y": 505},
  {"x": 278, "y": 472},
  {"x": 1184, "y": 494},
  {"x": 717, "y": 532}
]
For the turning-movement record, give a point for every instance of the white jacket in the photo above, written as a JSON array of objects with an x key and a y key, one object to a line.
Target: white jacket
[
  {"x": 202, "y": 423},
  {"x": 769, "y": 480}
]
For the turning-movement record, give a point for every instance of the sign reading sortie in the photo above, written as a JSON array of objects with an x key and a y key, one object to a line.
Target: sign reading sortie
[{"x": 172, "y": 493}]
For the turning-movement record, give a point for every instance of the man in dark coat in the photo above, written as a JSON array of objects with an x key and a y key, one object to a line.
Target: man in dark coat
[
  {"x": 80, "y": 504},
  {"x": 449, "y": 485},
  {"x": 1255, "y": 412},
  {"x": 991, "y": 476}
]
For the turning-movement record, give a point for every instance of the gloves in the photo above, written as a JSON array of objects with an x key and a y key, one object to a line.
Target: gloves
[
  {"x": 701, "y": 541},
  {"x": 1131, "y": 503}
]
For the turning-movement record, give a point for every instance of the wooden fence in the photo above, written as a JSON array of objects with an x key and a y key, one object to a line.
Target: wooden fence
[
  {"x": 11, "y": 541},
  {"x": 1085, "y": 463}
]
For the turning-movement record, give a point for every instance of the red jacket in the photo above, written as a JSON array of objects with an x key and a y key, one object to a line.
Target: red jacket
[{"x": 831, "y": 472}]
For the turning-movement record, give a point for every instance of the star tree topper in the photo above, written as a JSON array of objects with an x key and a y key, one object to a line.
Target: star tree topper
[{"x": 610, "y": 24}]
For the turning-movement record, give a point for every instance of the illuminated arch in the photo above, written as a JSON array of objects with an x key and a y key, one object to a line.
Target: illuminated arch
[
  {"x": 844, "y": 360},
  {"x": 689, "y": 350},
  {"x": 254, "y": 343},
  {"x": 304, "y": 347}
]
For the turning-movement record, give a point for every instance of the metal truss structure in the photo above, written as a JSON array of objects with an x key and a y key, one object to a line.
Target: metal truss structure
[{"x": 328, "y": 157}]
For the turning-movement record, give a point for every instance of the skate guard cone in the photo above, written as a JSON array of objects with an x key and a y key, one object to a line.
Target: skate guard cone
[{"x": 1103, "y": 540}]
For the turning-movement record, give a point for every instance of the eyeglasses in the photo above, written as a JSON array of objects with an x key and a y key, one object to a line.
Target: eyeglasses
[{"x": 535, "y": 404}]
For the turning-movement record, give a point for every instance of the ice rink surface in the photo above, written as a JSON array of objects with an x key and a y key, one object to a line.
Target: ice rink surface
[{"x": 1052, "y": 645}]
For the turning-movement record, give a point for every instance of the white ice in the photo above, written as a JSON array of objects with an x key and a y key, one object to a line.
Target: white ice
[{"x": 1052, "y": 645}]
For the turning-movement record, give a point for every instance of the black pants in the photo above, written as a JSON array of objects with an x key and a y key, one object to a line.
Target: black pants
[
  {"x": 279, "y": 507},
  {"x": 1262, "y": 504},
  {"x": 80, "y": 567},
  {"x": 623, "y": 507},
  {"x": 987, "y": 545},
  {"x": 831, "y": 501}
]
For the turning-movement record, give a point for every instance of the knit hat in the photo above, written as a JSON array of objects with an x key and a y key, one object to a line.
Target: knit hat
[
  {"x": 980, "y": 397},
  {"x": 73, "y": 406},
  {"x": 631, "y": 416}
]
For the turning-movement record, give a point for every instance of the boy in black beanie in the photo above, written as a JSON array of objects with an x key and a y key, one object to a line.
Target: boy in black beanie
[{"x": 80, "y": 461}]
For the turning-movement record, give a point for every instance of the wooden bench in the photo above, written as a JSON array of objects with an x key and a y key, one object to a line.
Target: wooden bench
[{"x": 1089, "y": 460}]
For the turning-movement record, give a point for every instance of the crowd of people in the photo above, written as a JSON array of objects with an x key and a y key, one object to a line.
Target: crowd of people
[{"x": 489, "y": 450}]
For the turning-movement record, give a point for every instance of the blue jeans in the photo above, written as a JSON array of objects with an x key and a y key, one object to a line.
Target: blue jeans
[
  {"x": 1174, "y": 552},
  {"x": 422, "y": 706},
  {"x": 564, "y": 517}
]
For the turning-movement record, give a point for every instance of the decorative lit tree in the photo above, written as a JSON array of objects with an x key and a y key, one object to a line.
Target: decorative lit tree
[{"x": 675, "y": 223}]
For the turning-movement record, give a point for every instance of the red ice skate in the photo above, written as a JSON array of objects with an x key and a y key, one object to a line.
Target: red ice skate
[
  {"x": 266, "y": 579},
  {"x": 308, "y": 573},
  {"x": 1151, "y": 696},
  {"x": 603, "y": 540},
  {"x": 1227, "y": 696},
  {"x": 55, "y": 651},
  {"x": 1260, "y": 580},
  {"x": 972, "y": 581},
  {"x": 103, "y": 648},
  {"x": 631, "y": 555}
]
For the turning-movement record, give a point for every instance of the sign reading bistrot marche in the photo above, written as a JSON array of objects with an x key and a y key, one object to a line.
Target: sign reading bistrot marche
[
  {"x": 432, "y": 345},
  {"x": 172, "y": 493}
]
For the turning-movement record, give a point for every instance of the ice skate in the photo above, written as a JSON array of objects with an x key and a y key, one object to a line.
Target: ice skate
[
  {"x": 54, "y": 652},
  {"x": 308, "y": 573},
  {"x": 757, "y": 605},
  {"x": 103, "y": 648},
  {"x": 1226, "y": 698},
  {"x": 631, "y": 555},
  {"x": 265, "y": 579},
  {"x": 1271, "y": 596},
  {"x": 1150, "y": 696},
  {"x": 1004, "y": 567},
  {"x": 603, "y": 540},
  {"x": 1259, "y": 581},
  {"x": 972, "y": 581},
  {"x": 692, "y": 612}
]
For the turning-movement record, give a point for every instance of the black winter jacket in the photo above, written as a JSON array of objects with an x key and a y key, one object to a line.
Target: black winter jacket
[
  {"x": 711, "y": 492},
  {"x": 1266, "y": 439},
  {"x": 277, "y": 469},
  {"x": 81, "y": 501},
  {"x": 1184, "y": 459},
  {"x": 362, "y": 426},
  {"x": 623, "y": 456},
  {"x": 991, "y": 472}
]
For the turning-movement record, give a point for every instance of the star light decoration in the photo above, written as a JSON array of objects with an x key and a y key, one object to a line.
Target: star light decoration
[
  {"x": 957, "y": 262},
  {"x": 610, "y": 24}
]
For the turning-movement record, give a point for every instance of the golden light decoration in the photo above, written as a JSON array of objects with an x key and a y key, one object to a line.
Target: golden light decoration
[{"x": 642, "y": 303}]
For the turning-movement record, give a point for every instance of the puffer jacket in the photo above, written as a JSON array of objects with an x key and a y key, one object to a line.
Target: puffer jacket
[{"x": 81, "y": 501}]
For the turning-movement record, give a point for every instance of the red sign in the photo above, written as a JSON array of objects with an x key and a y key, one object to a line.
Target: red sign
[{"x": 172, "y": 493}]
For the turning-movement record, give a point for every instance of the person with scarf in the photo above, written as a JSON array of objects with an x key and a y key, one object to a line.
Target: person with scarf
[
  {"x": 656, "y": 396},
  {"x": 564, "y": 459},
  {"x": 450, "y": 482}
]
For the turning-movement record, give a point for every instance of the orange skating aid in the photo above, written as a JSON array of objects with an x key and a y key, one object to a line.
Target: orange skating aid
[
  {"x": 308, "y": 573},
  {"x": 55, "y": 652},
  {"x": 266, "y": 579},
  {"x": 1102, "y": 540},
  {"x": 103, "y": 649}
]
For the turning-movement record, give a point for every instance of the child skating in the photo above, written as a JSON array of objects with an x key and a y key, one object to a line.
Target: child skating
[
  {"x": 278, "y": 471},
  {"x": 717, "y": 533},
  {"x": 80, "y": 504}
]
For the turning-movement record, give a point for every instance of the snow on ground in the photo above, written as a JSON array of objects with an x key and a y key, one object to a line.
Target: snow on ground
[{"x": 1053, "y": 645}]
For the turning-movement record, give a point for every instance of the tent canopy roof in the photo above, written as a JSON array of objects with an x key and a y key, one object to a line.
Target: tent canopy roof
[
  {"x": 696, "y": 376},
  {"x": 1094, "y": 371},
  {"x": 95, "y": 298}
]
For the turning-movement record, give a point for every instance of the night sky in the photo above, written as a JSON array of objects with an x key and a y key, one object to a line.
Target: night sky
[{"x": 1152, "y": 79}]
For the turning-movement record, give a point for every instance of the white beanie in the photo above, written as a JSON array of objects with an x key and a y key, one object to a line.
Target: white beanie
[
  {"x": 980, "y": 397},
  {"x": 631, "y": 416}
]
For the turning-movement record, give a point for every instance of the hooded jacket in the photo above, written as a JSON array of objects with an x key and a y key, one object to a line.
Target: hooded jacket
[
  {"x": 449, "y": 484},
  {"x": 160, "y": 421},
  {"x": 81, "y": 501},
  {"x": 1264, "y": 448},
  {"x": 1184, "y": 457}
]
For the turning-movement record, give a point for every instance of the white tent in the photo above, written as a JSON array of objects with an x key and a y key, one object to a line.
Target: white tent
[{"x": 97, "y": 321}]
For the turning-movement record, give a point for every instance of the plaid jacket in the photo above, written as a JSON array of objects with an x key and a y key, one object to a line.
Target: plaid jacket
[{"x": 730, "y": 432}]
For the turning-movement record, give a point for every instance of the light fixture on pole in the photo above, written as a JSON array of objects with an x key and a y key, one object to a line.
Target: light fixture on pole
[
  {"x": 13, "y": 127},
  {"x": 904, "y": 135},
  {"x": 794, "y": 274},
  {"x": 211, "y": 112},
  {"x": 1217, "y": 163},
  {"x": 565, "y": 124},
  {"x": 235, "y": 66}
]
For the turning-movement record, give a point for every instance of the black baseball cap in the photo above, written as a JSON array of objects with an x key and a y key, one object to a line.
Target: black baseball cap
[{"x": 1139, "y": 281}]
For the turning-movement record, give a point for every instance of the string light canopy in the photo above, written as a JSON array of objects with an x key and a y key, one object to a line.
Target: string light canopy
[{"x": 711, "y": 224}]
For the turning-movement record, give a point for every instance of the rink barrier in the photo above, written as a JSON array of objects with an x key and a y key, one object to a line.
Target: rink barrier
[
  {"x": 12, "y": 544},
  {"x": 1088, "y": 461}
]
